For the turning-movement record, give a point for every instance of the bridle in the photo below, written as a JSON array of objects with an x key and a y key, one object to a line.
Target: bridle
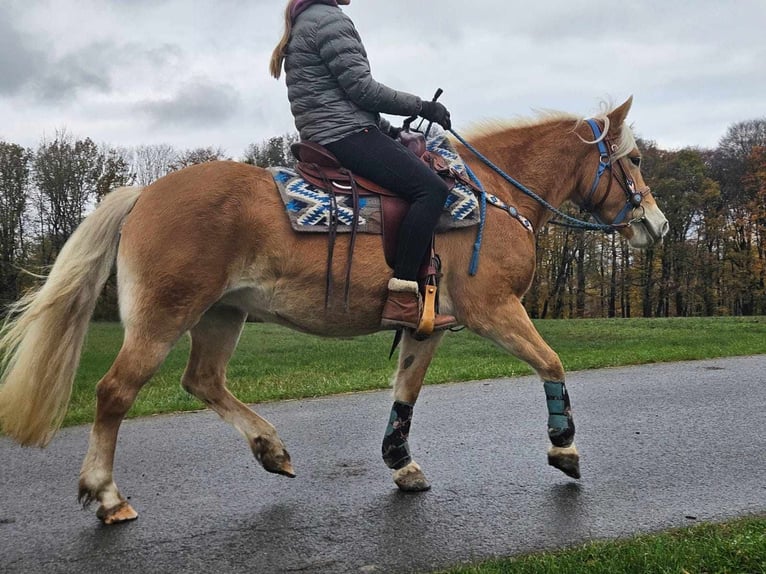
[{"x": 634, "y": 197}]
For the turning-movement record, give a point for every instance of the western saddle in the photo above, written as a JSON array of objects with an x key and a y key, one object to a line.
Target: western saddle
[{"x": 321, "y": 168}]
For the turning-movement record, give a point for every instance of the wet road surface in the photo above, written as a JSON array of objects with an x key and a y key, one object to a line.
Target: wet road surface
[{"x": 662, "y": 446}]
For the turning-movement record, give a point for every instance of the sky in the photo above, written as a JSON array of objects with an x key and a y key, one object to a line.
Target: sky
[{"x": 194, "y": 73}]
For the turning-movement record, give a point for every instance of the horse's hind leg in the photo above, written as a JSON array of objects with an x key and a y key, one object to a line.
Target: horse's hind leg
[
  {"x": 135, "y": 364},
  {"x": 214, "y": 339},
  {"x": 414, "y": 358},
  {"x": 511, "y": 328}
]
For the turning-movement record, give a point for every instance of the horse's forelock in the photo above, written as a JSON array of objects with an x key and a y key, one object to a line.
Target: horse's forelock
[{"x": 625, "y": 141}]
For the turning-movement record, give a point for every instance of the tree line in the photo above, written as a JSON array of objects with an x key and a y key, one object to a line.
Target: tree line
[{"x": 713, "y": 261}]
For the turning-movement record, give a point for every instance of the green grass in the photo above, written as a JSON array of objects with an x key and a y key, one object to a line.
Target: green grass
[
  {"x": 734, "y": 547},
  {"x": 274, "y": 363}
]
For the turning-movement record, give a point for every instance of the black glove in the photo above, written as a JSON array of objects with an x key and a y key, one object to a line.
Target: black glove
[
  {"x": 393, "y": 132},
  {"x": 435, "y": 112}
]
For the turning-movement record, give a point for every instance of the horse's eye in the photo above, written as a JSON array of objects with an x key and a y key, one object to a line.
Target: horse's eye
[{"x": 636, "y": 160}]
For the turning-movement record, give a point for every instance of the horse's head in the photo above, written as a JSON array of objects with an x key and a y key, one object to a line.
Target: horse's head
[{"x": 616, "y": 193}]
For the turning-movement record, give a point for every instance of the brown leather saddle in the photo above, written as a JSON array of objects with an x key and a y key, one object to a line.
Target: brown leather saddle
[{"x": 317, "y": 165}]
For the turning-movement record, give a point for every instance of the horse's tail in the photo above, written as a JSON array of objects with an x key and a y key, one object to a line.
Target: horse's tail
[{"x": 41, "y": 340}]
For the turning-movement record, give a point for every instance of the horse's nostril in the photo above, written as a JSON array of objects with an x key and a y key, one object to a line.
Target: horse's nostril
[{"x": 665, "y": 228}]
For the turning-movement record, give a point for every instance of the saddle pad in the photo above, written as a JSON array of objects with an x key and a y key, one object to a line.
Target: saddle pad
[{"x": 309, "y": 207}]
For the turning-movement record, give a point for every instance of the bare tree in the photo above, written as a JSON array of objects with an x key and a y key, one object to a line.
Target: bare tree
[
  {"x": 196, "y": 156},
  {"x": 150, "y": 162}
]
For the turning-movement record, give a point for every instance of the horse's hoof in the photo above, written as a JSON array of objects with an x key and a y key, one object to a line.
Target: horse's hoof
[
  {"x": 411, "y": 478},
  {"x": 121, "y": 513},
  {"x": 279, "y": 464},
  {"x": 566, "y": 459},
  {"x": 273, "y": 458},
  {"x": 286, "y": 469}
]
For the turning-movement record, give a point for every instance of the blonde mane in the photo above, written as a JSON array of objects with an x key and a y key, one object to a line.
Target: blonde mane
[
  {"x": 624, "y": 143},
  {"x": 490, "y": 127}
]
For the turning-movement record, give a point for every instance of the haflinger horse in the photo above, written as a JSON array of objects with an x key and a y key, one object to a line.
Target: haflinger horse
[{"x": 202, "y": 248}]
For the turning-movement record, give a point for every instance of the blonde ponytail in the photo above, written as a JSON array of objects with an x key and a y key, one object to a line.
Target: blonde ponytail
[{"x": 278, "y": 55}]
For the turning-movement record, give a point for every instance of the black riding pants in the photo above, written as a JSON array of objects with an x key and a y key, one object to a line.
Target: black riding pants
[{"x": 374, "y": 155}]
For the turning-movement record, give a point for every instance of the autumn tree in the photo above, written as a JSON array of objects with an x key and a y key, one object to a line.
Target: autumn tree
[
  {"x": 730, "y": 165},
  {"x": 754, "y": 185},
  {"x": 730, "y": 161}
]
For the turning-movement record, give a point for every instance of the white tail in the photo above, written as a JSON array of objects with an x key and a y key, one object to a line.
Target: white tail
[{"x": 40, "y": 343}]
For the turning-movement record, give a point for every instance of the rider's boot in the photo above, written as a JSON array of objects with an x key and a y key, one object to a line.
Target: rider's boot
[{"x": 404, "y": 308}]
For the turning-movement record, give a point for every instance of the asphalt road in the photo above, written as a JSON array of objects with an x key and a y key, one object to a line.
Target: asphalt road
[{"x": 662, "y": 446}]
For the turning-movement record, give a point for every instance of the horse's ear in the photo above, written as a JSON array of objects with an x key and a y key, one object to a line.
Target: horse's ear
[{"x": 617, "y": 116}]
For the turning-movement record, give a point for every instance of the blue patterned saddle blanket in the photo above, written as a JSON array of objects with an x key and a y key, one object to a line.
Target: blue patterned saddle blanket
[{"x": 310, "y": 208}]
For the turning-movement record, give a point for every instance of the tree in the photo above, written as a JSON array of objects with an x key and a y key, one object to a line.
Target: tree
[
  {"x": 196, "y": 156},
  {"x": 69, "y": 174},
  {"x": 14, "y": 179},
  {"x": 273, "y": 152},
  {"x": 681, "y": 184},
  {"x": 116, "y": 172},
  {"x": 731, "y": 165},
  {"x": 148, "y": 163},
  {"x": 732, "y": 155},
  {"x": 754, "y": 184}
]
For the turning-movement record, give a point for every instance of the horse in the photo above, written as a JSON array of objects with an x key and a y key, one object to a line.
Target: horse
[{"x": 200, "y": 249}]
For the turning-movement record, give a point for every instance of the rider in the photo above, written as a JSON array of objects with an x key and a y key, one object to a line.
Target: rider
[{"x": 336, "y": 103}]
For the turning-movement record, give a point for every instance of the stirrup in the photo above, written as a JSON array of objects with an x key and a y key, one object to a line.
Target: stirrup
[{"x": 428, "y": 317}]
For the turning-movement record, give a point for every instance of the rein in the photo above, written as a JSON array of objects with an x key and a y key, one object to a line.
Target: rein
[
  {"x": 604, "y": 164},
  {"x": 634, "y": 197}
]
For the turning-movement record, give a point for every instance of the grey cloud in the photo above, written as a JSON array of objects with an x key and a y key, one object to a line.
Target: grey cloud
[
  {"x": 25, "y": 69},
  {"x": 81, "y": 70},
  {"x": 19, "y": 62},
  {"x": 197, "y": 103}
]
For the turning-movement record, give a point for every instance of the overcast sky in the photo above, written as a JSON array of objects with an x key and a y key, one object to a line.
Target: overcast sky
[{"x": 193, "y": 73}]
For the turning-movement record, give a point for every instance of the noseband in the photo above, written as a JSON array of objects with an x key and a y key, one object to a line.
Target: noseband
[{"x": 633, "y": 196}]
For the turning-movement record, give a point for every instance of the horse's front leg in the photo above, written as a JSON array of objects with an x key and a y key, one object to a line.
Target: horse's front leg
[
  {"x": 414, "y": 358},
  {"x": 510, "y": 327}
]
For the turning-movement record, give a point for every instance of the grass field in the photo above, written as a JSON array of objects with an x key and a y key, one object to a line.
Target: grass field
[{"x": 273, "y": 363}]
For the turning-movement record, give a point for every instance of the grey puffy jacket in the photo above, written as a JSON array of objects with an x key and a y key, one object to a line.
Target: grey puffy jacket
[{"x": 329, "y": 84}]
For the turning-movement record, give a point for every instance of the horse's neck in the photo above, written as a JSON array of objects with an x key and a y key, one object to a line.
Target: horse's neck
[{"x": 541, "y": 158}]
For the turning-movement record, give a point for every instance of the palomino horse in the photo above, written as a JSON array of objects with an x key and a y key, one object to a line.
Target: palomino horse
[{"x": 201, "y": 248}]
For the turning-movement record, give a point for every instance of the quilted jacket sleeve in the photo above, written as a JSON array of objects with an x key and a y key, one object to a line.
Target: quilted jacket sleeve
[{"x": 342, "y": 51}]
